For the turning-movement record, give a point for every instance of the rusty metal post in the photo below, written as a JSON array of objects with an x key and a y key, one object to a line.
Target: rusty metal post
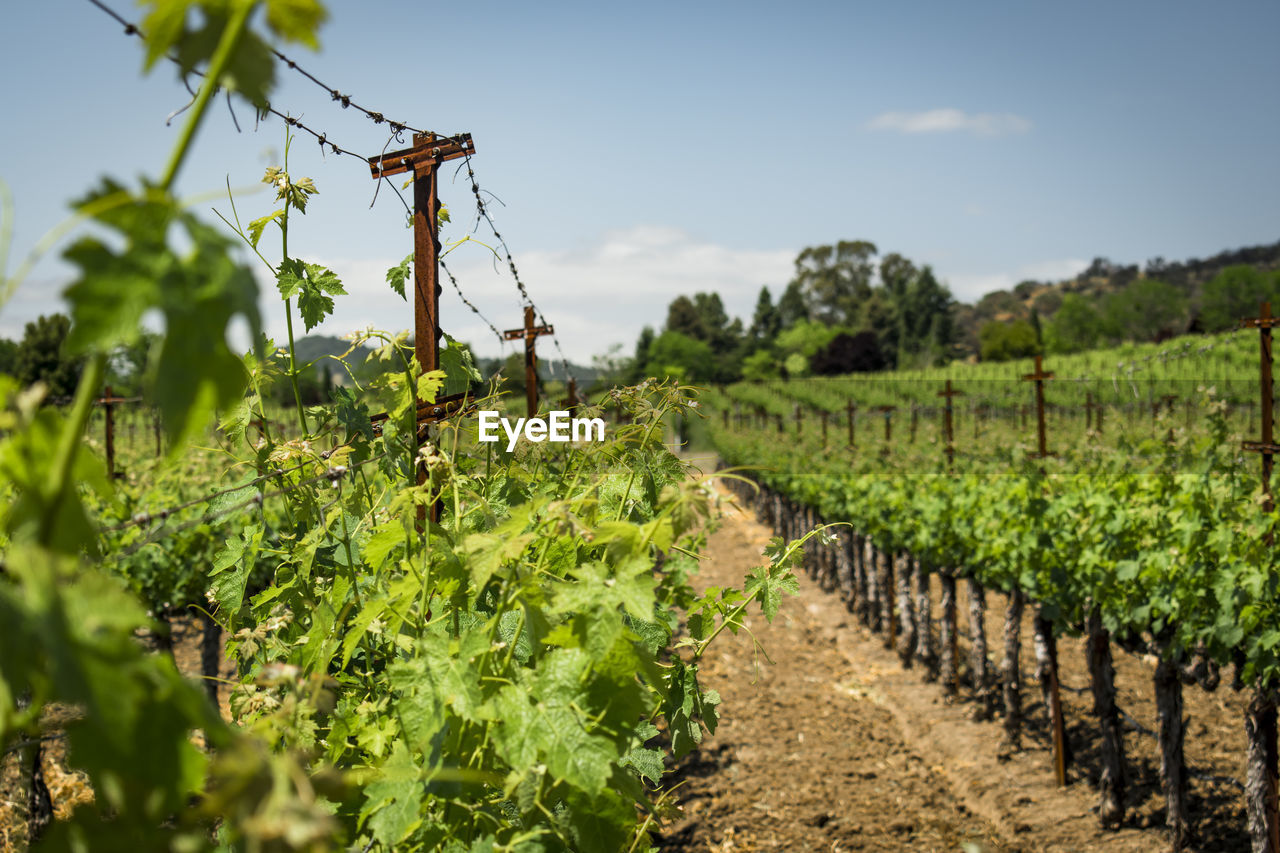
[
  {"x": 108, "y": 406},
  {"x": 1039, "y": 378},
  {"x": 850, "y": 409},
  {"x": 423, "y": 162},
  {"x": 781, "y": 429},
  {"x": 947, "y": 424},
  {"x": 573, "y": 397},
  {"x": 887, "y": 413},
  {"x": 530, "y": 333},
  {"x": 1088, "y": 410},
  {"x": 1263, "y": 780},
  {"x": 530, "y": 365}
]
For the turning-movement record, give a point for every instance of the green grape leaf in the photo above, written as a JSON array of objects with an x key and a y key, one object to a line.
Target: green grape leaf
[
  {"x": 313, "y": 285},
  {"x": 399, "y": 274},
  {"x": 257, "y": 226},
  {"x": 296, "y": 20},
  {"x": 392, "y": 801}
]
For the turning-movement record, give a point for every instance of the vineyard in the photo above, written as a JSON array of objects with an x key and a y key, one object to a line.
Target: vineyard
[
  {"x": 1123, "y": 513},
  {"x": 232, "y": 623},
  {"x": 437, "y": 643}
]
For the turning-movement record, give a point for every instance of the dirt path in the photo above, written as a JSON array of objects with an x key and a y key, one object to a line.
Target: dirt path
[{"x": 836, "y": 747}]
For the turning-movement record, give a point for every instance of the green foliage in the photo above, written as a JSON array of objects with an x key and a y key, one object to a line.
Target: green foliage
[
  {"x": 676, "y": 355},
  {"x": 1235, "y": 293},
  {"x": 313, "y": 285},
  {"x": 835, "y": 280},
  {"x": 1075, "y": 327},
  {"x": 1004, "y": 341},
  {"x": 1163, "y": 536},
  {"x": 494, "y": 675},
  {"x": 1145, "y": 310},
  {"x": 41, "y": 356}
]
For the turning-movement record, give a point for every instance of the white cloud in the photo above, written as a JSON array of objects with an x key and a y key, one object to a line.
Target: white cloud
[
  {"x": 951, "y": 120},
  {"x": 595, "y": 296},
  {"x": 969, "y": 287}
]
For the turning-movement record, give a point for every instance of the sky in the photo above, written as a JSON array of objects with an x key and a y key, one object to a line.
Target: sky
[{"x": 642, "y": 151}]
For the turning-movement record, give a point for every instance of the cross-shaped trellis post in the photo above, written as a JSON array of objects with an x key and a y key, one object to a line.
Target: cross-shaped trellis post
[
  {"x": 948, "y": 426},
  {"x": 109, "y": 402},
  {"x": 887, "y": 413},
  {"x": 571, "y": 401},
  {"x": 1039, "y": 378},
  {"x": 530, "y": 333},
  {"x": 423, "y": 162},
  {"x": 1260, "y": 724}
]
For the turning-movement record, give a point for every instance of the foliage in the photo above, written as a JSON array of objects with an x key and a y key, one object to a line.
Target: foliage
[
  {"x": 1146, "y": 310},
  {"x": 1075, "y": 327},
  {"x": 491, "y": 675},
  {"x": 1237, "y": 292},
  {"x": 1004, "y": 341},
  {"x": 41, "y": 356},
  {"x": 676, "y": 355},
  {"x": 1165, "y": 536}
]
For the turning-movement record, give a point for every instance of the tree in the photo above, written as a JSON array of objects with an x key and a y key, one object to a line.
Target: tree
[
  {"x": 805, "y": 338},
  {"x": 765, "y": 323},
  {"x": 1074, "y": 327},
  {"x": 847, "y": 353},
  {"x": 8, "y": 356},
  {"x": 896, "y": 273},
  {"x": 761, "y": 364},
  {"x": 127, "y": 368},
  {"x": 792, "y": 307},
  {"x": 836, "y": 279},
  {"x": 40, "y": 356},
  {"x": 1143, "y": 311},
  {"x": 683, "y": 317},
  {"x": 641, "y": 357},
  {"x": 923, "y": 312},
  {"x": 676, "y": 355},
  {"x": 878, "y": 317},
  {"x": 1235, "y": 292},
  {"x": 1003, "y": 341}
]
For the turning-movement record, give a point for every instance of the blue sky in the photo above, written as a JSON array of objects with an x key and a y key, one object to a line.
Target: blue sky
[{"x": 647, "y": 150}]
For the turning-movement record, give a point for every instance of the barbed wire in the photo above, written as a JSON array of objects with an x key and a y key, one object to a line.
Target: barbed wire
[
  {"x": 346, "y": 100},
  {"x": 482, "y": 213},
  {"x": 397, "y": 128},
  {"x": 467, "y": 302},
  {"x": 163, "y": 531},
  {"x": 146, "y": 517}
]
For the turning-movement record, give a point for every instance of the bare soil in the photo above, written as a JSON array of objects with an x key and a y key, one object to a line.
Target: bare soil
[{"x": 835, "y": 746}]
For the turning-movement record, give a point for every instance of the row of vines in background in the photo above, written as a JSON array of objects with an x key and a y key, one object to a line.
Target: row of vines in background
[{"x": 1154, "y": 538}]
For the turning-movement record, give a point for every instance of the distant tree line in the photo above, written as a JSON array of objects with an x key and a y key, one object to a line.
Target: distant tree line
[
  {"x": 848, "y": 309},
  {"x": 844, "y": 310}
]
